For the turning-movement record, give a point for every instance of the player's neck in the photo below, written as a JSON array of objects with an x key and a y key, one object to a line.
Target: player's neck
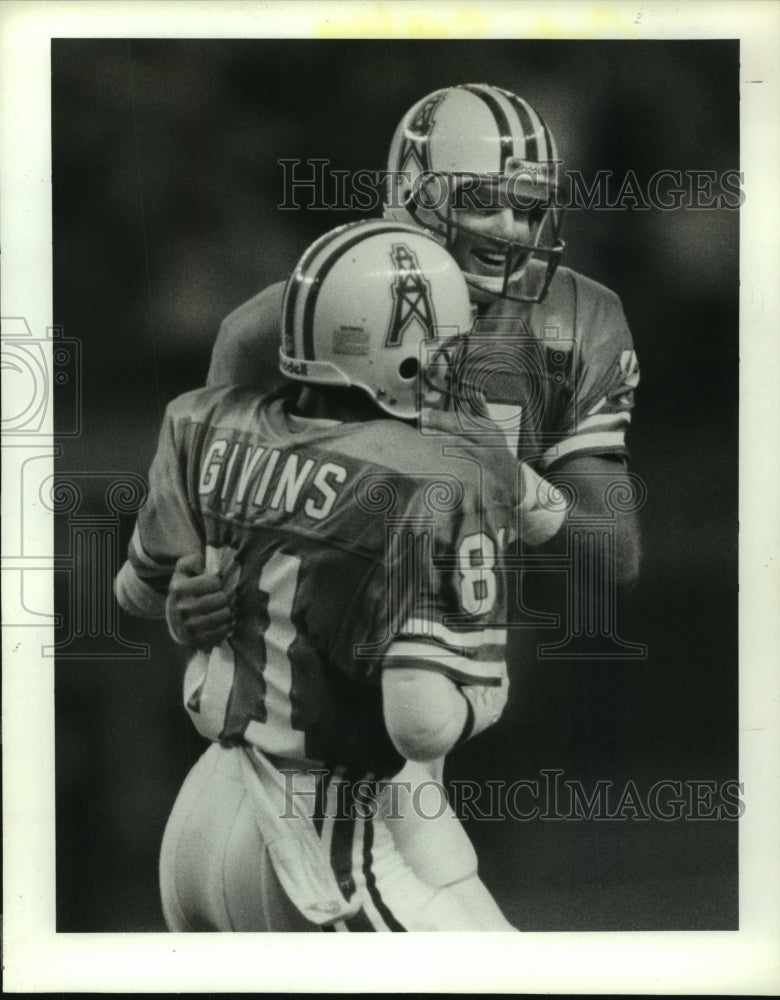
[{"x": 347, "y": 405}]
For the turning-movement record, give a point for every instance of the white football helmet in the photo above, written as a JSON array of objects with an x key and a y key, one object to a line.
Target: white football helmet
[
  {"x": 476, "y": 146},
  {"x": 367, "y": 305}
]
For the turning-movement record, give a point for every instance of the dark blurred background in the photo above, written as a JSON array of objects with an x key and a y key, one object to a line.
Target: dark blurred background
[{"x": 166, "y": 184}]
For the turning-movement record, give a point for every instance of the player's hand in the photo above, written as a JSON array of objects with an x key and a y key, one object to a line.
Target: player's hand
[
  {"x": 200, "y": 612},
  {"x": 542, "y": 507}
]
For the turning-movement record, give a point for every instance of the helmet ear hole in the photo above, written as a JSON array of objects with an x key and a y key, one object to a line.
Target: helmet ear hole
[{"x": 409, "y": 368}]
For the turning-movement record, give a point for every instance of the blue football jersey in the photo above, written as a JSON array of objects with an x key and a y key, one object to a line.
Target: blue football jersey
[{"x": 351, "y": 548}]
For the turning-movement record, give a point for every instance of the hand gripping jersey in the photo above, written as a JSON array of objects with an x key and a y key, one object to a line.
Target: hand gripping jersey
[
  {"x": 561, "y": 378},
  {"x": 348, "y": 545}
]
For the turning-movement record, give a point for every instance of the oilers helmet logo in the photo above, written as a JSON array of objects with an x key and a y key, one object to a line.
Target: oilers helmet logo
[
  {"x": 414, "y": 146},
  {"x": 411, "y": 297}
]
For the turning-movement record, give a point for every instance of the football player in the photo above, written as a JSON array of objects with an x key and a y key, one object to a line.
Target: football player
[
  {"x": 366, "y": 572},
  {"x": 476, "y": 167}
]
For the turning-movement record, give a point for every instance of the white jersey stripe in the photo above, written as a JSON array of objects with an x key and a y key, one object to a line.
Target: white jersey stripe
[
  {"x": 603, "y": 420},
  {"x": 459, "y": 667},
  {"x": 460, "y": 640},
  {"x": 583, "y": 442}
]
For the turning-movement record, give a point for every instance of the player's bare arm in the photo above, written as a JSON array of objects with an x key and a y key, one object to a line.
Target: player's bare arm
[
  {"x": 424, "y": 712},
  {"x": 427, "y": 714}
]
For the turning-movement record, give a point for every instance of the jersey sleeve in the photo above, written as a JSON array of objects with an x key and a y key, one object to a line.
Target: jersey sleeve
[
  {"x": 246, "y": 351},
  {"x": 604, "y": 378},
  {"x": 165, "y": 530},
  {"x": 450, "y": 589}
]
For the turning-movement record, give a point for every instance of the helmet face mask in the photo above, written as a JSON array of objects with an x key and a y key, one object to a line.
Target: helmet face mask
[
  {"x": 450, "y": 379},
  {"x": 494, "y": 265},
  {"x": 362, "y": 308},
  {"x": 465, "y": 152}
]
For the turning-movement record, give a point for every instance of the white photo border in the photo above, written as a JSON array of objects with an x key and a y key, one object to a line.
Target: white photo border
[{"x": 36, "y": 959}]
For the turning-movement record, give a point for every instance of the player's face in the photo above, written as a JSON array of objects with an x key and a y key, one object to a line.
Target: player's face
[{"x": 481, "y": 244}]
